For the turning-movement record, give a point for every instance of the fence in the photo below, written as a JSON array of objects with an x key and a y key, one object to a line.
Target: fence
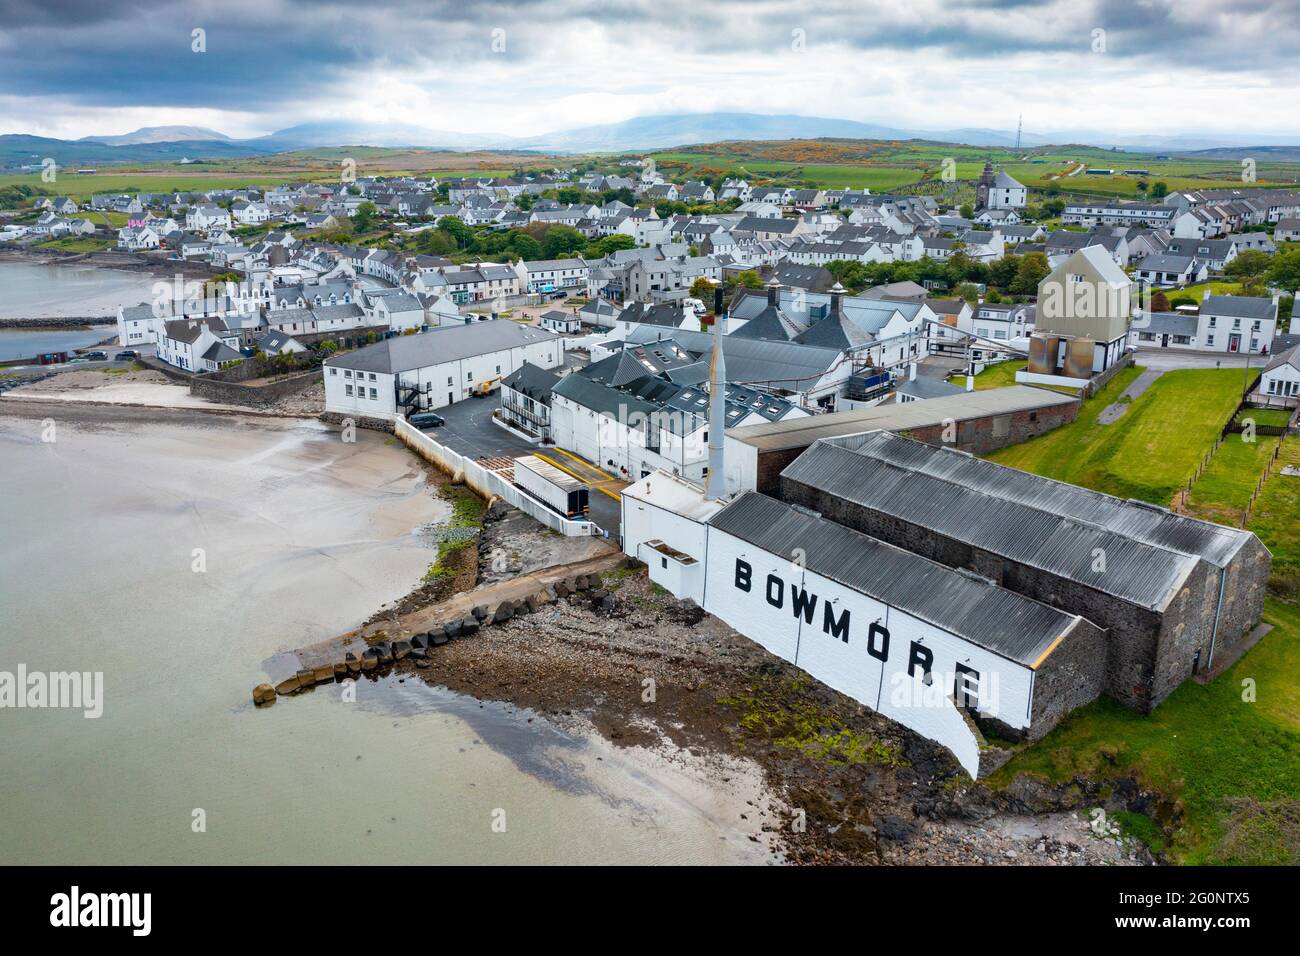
[{"x": 486, "y": 483}]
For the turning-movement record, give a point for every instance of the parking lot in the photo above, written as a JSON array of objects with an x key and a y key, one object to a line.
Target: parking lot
[{"x": 470, "y": 431}]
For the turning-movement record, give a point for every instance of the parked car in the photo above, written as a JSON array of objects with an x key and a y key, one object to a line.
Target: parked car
[
  {"x": 96, "y": 356},
  {"x": 126, "y": 355},
  {"x": 426, "y": 420}
]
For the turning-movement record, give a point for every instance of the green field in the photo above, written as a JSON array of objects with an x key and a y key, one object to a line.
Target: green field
[
  {"x": 1224, "y": 489},
  {"x": 1000, "y": 375},
  {"x": 1276, "y": 519},
  {"x": 1154, "y": 447},
  {"x": 880, "y": 165},
  {"x": 1222, "y": 762},
  {"x": 1226, "y": 768},
  {"x": 76, "y": 244}
]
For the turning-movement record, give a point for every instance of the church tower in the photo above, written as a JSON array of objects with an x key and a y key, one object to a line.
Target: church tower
[{"x": 984, "y": 186}]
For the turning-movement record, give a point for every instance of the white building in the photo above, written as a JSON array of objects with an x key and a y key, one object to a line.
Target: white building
[
  {"x": 206, "y": 218},
  {"x": 429, "y": 370},
  {"x": 1236, "y": 323},
  {"x": 1006, "y": 193},
  {"x": 889, "y": 628},
  {"x": 198, "y": 345},
  {"x": 1280, "y": 381}
]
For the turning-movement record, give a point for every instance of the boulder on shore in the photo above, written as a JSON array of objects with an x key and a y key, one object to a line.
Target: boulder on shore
[
  {"x": 480, "y": 612},
  {"x": 469, "y": 626},
  {"x": 452, "y": 629},
  {"x": 503, "y": 613},
  {"x": 401, "y": 649},
  {"x": 288, "y": 686},
  {"x": 263, "y": 694}
]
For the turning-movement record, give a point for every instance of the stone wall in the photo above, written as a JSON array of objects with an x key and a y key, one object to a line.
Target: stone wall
[
  {"x": 1073, "y": 675},
  {"x": 1133, "y": 632},
  {"x": 975, "y": 435},
  {"x": 253, "y": 396}
]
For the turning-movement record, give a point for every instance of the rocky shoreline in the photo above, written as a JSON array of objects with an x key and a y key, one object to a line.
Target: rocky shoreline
[{"x": 608, "y": 652}]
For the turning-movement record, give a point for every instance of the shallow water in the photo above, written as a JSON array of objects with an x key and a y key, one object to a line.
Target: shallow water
[
  {"x": 32, "y": 290},
  {"x": 28, "y": 343},
  {"x": 303, "y": 536}
]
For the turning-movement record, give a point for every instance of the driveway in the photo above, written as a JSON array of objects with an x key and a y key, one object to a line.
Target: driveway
[
  {"x": 1167, "y": 360},
  {"x": 470, "y": 431}
]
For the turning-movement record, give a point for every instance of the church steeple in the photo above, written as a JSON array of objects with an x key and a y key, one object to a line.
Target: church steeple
[{"x": 985, "y": 185}]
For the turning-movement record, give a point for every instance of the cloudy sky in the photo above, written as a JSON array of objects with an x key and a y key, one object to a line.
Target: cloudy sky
[{"x": 72, "y": 68}]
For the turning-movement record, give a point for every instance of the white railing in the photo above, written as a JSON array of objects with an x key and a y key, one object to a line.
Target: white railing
[{"x": 486, "y": 483}]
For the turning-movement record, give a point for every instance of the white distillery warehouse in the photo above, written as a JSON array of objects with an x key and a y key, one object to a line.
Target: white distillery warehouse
[
  {"x": 414, "y": 373},
  {"x": 956, "y": 596}
]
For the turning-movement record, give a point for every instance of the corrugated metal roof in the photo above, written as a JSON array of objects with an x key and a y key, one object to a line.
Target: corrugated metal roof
[
  {"x": 447, "y": 344},
  {"x": 1148, "y": 523},
  {"x": 802, "y": 432},
  {"x": 972, "y": 608},
  {"x": 755, "y": 361},
  {"x": 1029, "y": 523}
]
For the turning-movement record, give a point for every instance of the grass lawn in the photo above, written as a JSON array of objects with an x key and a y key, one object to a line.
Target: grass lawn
[
  {"x": 1198, "y": 291},
  {"x": 1224, "y": 490},
  {"x": 77, "y": 244},
  {"x": 1269, "y": 417},
  {"x": 1151, "y": 451},
  {"x": 1000, "y": 375},
  {"x": 1226, "y": 767},
  {"x": 1276, "y": 519}
]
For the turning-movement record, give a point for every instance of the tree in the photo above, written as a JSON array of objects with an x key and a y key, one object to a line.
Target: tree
[
  {"x": 1032, "y": 270},
  {"x": 561, "y": 241},
  {"x": 1159, "y": 302},
  {"x": 1284, "y": 271},
  {"x": 364, "y": 218},
  {"x": 1159, "y": 189},
  {"x": 749, "y": 279},
  {"x": 848, "y": 273},
  {"x": 702, "y": 289},
  {"x": 607, "y": 244},
  {"x": 967, "y": 211},
  {"x": 525, "y": 246},
  {"x": 457, "y": 229},
  {"x": 1249, "y": 267}
]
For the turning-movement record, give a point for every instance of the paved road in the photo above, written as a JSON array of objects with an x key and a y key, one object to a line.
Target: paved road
[
  {"x": 1169, "y": 359},
  {"x": 470, "y": 431}
]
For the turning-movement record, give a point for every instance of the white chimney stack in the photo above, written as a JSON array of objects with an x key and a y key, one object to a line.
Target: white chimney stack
[{"x": 716, "y": 486}]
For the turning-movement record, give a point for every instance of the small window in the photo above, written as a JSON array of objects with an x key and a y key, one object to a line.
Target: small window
[
  {"x": 374, "y": 393},
  {"x": 334, "y": 371},
  {"x": 347, "y": 390}
]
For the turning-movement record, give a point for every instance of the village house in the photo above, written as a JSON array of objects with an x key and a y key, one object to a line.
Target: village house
[{"x": 427, "y": 371}]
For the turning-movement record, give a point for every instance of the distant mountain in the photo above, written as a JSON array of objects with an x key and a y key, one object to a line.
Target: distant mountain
[
  {"x": 644, "y": 133},
  {"x": 158, "y": 134},
  {"x": 348, "y": 133},
  {"x": 22, "y": 150}
]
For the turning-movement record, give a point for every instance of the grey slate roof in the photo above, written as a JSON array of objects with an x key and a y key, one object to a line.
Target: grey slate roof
[
  {"x": 532, "y": 380},
  {"x": 436, "y": 346},
  {"x": 1009, "y": 624},
  {"x": 1026, "y": 518},
  {"x": 1168, "y": 323},
  {"x": 753, "y": 361},
  {"x": 1245, "y": 306}
]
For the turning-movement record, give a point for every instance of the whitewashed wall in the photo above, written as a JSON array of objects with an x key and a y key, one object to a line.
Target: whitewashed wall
[
  {"x": 488, "y": 484},
  {"x": 849, "y": 661}
]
